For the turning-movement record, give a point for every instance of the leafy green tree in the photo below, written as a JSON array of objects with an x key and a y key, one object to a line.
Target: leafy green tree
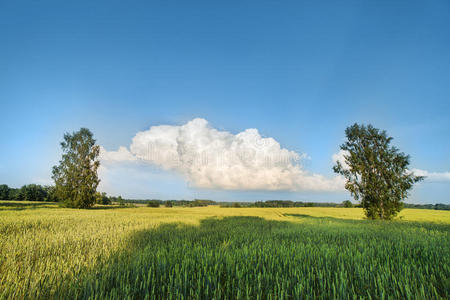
[
  {"x": 15, "y": 194},
  {"x": 153, "y": 203},
  {"x": 121, "y": 201},
  {"x": 347, "y": 204},
  {"x": 98, "y": 198},
  {"x": 102, "y": 198},
  {"x": 105, "y": 199},
  {"x": 4, "y": 192},
  {"x": 50, "y": 191},
  {"x": 33, "y": 192},
  {"x": 376, "y": 172},
  {"x": 75, "y": 177}
]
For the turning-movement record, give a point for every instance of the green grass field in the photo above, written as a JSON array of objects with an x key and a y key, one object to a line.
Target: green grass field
[{"x": 212, "y": 252}]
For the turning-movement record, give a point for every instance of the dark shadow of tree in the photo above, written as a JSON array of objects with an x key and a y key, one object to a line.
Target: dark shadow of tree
[
  {"x": 8, "y": 205},
  {"x": 26, "y": 205},
  {"x": 104, "y": 207}
]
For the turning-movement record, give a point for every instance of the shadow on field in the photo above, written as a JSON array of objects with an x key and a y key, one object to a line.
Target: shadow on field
[
  {"x": 17, "y": 205},
  {"x": 177, "y": 260},
  {"x": 250, "y": 257},
  {"x": 5, "y": 205},
  {"x": 101, "y": 207},
  {"x": 331, "y": 219}
]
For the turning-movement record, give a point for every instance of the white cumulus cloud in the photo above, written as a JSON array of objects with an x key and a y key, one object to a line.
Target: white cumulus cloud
[
  {"x": 210, "y": 158},
  {"x": 122, "y": 154},
  {"x": 340, "y": 157},
  {"x": 432, "y": 176}
]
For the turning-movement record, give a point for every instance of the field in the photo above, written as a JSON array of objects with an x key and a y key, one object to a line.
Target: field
[{"x": 212, "y": 252}]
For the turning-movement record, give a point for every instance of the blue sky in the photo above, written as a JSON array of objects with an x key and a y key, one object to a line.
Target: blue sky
[{"x": 298, "y": 71}]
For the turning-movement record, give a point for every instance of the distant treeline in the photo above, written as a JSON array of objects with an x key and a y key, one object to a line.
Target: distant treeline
[
  {"x": 36, "y": 192},
  {"x": 29, "y": 192},
  {"x": 282, "y": 203},
  {"x": 202, "y": 202},
  {"x": 171, "y": 203},
  {"x": 288, "y": 203},
  {"x": 437, "y": 206}
]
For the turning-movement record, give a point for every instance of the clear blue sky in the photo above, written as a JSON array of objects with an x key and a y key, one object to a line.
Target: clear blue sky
[{"x": 298, "y": 71}]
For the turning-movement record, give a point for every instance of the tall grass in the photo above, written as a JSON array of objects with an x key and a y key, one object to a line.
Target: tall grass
[{"x": 188, "y": 253}]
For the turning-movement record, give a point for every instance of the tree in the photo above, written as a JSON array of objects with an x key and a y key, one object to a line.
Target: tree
[
  {"x": 76, "y": 177},
  {"x": 376, "y": 172},
  {"x": 50, "y": 191},
  {"x": 102, "y": 198},
  {"x": 121, "y": 201},
  {"x": 4, "y": 192},
  {"x": 15, "y": 194},
  {"x": 153, "y": 203},
  {"x": 105, "y": 199},
  {"x": 347, "y": 204},
  {"x": 33, "y": 192}
]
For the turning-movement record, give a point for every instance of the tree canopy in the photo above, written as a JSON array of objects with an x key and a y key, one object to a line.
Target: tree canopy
[
  {"x": 75, "y": 177},
  {"x": 376, "y": 172}
]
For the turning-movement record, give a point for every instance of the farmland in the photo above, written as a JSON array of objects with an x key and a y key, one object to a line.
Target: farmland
[{"x": 212, "y": 252}]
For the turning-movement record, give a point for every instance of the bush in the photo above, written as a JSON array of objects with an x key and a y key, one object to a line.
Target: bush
[
  {"x": 102, "y": 198},
  {"x": 153, "y": 203},
  {"x": 347, "y": 203}
]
